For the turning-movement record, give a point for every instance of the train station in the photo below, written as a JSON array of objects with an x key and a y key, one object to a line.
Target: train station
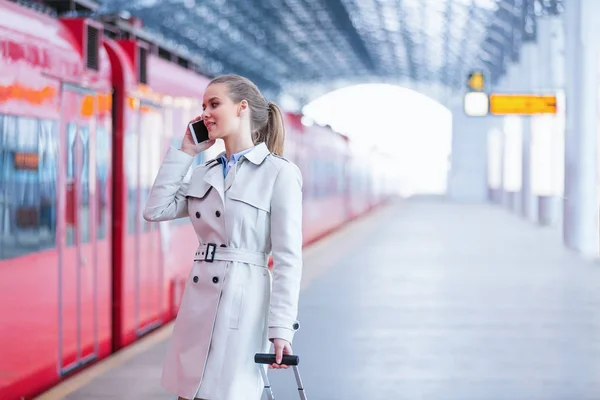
[{"x": 314, "y": 199}]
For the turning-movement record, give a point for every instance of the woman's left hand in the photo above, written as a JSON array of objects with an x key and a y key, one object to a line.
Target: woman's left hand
[{"x": 282, "y": 347}]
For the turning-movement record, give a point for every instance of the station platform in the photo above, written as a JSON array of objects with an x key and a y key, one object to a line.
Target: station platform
[{"x": 421, "y": 299}]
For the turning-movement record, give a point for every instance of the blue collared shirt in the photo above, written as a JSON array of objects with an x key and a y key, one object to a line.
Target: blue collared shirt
[{"x": 234, "y": 158}]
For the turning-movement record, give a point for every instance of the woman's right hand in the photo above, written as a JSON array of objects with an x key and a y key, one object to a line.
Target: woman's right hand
[{"x": 187, "y": 144}]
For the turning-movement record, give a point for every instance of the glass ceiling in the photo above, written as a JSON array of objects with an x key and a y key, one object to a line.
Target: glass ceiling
[{"x": 289, "y": 43}]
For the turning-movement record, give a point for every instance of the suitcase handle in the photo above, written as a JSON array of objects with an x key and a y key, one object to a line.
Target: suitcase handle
[{"x": 265, "y": 358}]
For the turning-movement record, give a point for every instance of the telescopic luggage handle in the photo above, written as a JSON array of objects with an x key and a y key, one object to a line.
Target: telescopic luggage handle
[
  {"x": 293, "y": 361},
  {"x": 265, "y": 358}
]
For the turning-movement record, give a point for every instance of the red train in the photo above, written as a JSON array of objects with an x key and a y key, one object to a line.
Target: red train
[{"x": 85, "y": 119}]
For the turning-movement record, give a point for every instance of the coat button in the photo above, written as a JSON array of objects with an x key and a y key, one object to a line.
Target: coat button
[
  {"x": 195, "y": 279},
  {"x": 296, "y": 326},
  {"x": 215, "y": 279},
  {"x": 197, "y": 214},
  {"x": 218, "y": 213}
]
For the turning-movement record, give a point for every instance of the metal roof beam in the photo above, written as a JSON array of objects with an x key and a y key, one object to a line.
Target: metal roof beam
[
  {"x": 408, "y": 42},
  {"x": 227, "y": 65},
  {"x": 324, "y": 48},
  {"x": 276, "y": 40},
  {"x": 552, "y": 7},
  {"x": 528, "y": 21},
  {"x": 460, "y": 68},
  {"x": 340, "y": 17},
  {"x": 448, "y": 14},
  {"x": 333, "y": 37},
  {"x": 389, "y": 42},
  {"x": 424, "y": 66}
]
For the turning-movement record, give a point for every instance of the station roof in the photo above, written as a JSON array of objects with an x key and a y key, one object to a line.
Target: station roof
[{"x": 292, "y": 45}]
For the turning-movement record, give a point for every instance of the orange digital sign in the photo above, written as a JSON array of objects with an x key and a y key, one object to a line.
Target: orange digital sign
[
  {"x": 96, "y": 104},
  {"x": 27, "y": 161},
  {"x": 16, "y": 91},
  {"x": 504, "y": 104}
]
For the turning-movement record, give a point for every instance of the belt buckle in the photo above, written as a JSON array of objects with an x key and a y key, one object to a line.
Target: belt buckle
[{"x": 212, "y": 253}]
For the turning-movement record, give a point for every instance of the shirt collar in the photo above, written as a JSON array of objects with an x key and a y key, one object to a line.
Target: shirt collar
[
  {"x": 235, "y": 157},
  {"x": 255, "y": 155}
]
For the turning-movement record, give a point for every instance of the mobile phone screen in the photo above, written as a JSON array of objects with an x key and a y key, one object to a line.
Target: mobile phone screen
[{"x": 199, "y": 131}]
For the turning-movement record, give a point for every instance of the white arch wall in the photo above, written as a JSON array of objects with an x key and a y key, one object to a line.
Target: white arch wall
[{"x": 410, "y": 127}]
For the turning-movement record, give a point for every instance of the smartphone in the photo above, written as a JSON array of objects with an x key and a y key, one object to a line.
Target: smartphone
[{"x": 199, "y": 131}]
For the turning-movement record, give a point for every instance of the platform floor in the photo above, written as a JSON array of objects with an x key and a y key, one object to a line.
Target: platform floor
[{"x": 421, "y": 300}]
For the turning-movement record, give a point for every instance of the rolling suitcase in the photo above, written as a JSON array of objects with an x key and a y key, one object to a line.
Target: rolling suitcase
[{"x": 293, "y": 361}]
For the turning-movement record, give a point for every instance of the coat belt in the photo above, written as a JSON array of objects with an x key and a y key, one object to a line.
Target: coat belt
[{"x": 211, "y": 251}]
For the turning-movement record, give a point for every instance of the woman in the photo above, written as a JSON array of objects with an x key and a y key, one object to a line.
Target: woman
[{"x": 243, "y": 204}]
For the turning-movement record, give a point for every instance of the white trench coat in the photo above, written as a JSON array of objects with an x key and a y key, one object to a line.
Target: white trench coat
[{"x": 231, "y": 306}]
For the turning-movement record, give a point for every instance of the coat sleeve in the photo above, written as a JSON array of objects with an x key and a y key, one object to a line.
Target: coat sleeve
[
  {"x": 167, "y": 199},
  {"x": 286, "y": 245}
]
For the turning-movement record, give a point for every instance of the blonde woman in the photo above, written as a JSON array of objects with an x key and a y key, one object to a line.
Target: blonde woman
[{"x": 243, "y": 205}]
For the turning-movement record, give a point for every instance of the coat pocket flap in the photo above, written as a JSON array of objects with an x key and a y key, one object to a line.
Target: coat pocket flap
[
  {"x": 198, "y": 188},
  {"x": 253, "y": 198}
]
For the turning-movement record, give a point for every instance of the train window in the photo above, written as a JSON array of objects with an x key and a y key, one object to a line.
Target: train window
[
  {"x": 151, "y": 125},
  {"x": 71, "y": 207},
  {"x": 84, "y": 200},
  {"x": 28, "y": 165},
  {"x": 102, "y": 171},
  {"x": 131, "y": 160}
]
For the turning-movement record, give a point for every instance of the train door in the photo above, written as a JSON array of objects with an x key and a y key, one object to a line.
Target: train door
[
  {"x": 148, "y": 262},
  {"x": 78, "y": 272}
]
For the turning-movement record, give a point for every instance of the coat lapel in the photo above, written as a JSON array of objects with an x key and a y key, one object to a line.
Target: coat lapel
[
  {"x": 231, "y": 174},
  {"x": 214, "y": 177}
]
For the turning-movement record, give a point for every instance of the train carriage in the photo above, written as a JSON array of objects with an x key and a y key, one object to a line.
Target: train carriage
[{"x": 55, "y": 213}]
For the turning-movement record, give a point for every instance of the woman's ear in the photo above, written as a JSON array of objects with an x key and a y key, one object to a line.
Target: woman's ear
[{"x": 242, "y": 107}]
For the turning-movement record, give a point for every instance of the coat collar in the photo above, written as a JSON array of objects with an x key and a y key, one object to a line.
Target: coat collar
[
  {"x": 214, "y": 175},
  {"x": 258, "y": 154},
  {"x": 255, "y": 156}
]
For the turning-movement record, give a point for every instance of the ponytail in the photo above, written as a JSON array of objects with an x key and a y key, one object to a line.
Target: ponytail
[{"x": 273, "y": 133}]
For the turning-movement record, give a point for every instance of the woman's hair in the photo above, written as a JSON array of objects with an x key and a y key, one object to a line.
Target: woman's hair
[{"x": 266, "y": 118}]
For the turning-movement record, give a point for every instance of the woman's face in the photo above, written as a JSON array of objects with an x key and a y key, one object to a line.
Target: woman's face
[{"x": 220, "y": 113}]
